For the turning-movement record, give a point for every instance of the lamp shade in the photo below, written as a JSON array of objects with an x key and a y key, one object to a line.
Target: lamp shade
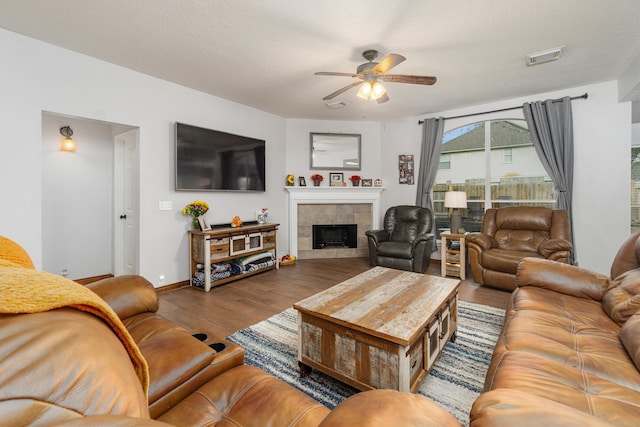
[{"x": 455, "y": 199}]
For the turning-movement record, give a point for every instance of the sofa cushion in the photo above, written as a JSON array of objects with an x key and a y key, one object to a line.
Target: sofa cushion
[
  {"x": 630, "y": 338},
  {"x": 622, "y": 299}
]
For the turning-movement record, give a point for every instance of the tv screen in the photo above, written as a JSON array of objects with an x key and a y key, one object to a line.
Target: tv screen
[{"x": 210, "y": 160}]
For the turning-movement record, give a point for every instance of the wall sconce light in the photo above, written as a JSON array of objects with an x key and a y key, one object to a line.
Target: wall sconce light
[
  {"x": 455, "y": 200},
  {"x": 67, "y": 144}
]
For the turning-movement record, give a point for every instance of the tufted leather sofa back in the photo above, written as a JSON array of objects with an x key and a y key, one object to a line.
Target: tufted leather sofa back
[
  {"x": 628, "y": 256},
  {"x": 405, "y": 223}
]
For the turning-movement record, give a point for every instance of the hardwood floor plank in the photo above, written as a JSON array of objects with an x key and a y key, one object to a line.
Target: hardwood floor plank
[{"x": 239, "y": 304}]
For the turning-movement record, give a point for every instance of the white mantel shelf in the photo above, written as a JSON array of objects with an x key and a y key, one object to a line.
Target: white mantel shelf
[{"x": 324, "y": 195}]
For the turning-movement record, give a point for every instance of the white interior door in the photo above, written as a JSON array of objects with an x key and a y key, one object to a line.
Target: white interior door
[{"x": 126, "y": 204}]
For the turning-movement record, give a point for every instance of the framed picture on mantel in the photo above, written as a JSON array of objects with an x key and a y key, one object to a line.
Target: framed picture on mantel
[{"x": 336, "y": 179}]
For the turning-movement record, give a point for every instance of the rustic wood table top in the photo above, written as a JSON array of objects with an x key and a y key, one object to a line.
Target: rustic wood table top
[{"x": 391, "y": 304}]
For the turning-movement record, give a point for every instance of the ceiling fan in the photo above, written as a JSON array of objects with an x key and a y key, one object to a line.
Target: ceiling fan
[{"x": 371, "y": 73}]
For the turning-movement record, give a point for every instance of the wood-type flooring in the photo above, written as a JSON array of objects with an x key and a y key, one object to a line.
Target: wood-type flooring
[{"x": 237, "y": 305}]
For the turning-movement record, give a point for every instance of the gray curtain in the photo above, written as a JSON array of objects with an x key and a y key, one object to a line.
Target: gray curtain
[
  {"x": 551, "y": 127},
  {"x": 429, "y": 159}
]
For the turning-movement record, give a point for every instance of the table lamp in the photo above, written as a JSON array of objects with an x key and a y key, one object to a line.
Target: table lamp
[{"x": 455, "y": 200}]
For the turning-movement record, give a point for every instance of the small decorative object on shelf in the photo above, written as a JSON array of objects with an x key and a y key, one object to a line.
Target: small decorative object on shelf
[
  {"x": 290, "y": 180},
  {"x": 355, "y": 180},
  {"x": 195, "y": 209},
  {"x": 377, "y": 183},
  {"x": 262, "y": 216},
  {"x": 368, "y": 182},
  {"x": 288, "y": 259},
  {"x": 317, "y": 179},
  {"x": 236, "y": 221},
  {"x": 301, "y": 181}
]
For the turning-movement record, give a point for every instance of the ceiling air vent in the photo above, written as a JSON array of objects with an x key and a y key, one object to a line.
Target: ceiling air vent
[
  {"x": 336, "y": 104},
  {"x": 544, "y": 56}
]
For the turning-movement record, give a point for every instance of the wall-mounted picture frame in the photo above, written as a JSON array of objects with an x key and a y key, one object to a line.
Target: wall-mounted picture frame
[
  {"x": 204, "y": 224},
  {"x": 336, "y": 179},
  {"x": 302, "y": 182},
  {"x": 367, "y": 182},
  {"x": 405, "y": 167}
]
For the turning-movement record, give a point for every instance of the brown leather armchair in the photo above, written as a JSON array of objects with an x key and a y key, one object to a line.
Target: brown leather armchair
[
  {"x": 406, "y": 242},
  {"x": 511, "y": 234}
]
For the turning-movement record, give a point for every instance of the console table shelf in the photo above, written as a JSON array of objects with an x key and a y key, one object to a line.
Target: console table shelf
[{"x": 228, "y": 244}]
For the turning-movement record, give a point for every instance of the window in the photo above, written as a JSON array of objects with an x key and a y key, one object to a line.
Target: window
[
  {"x": 495, "y": 163},
  {"x": 507, "y": 155},
  {"x": 445, "y": 161}
]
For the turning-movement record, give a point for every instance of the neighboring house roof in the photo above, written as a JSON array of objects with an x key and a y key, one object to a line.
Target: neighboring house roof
[{"x": 504, "y": 134}]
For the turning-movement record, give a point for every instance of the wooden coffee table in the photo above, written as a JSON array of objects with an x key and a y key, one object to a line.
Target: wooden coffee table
[{"x": 383, "y": 328}]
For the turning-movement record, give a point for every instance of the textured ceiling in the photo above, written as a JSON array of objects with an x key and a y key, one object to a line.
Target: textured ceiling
[{"x": 263, "y": 53}]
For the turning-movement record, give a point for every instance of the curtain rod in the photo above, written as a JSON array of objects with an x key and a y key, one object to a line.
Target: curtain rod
[{"x": 585, "y": 96}]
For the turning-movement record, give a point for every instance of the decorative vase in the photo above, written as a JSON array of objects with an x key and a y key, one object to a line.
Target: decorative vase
[
  {"x": 195, "y": 223},
  {"x": 355, "y": 182},
  {"x": 316, "y": 183}
]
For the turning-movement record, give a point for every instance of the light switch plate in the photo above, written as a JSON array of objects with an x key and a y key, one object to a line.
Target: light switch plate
[{"x": 165, "y": 205}]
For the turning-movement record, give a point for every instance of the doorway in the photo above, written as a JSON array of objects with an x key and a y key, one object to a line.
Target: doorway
[{"x": 79, "y": 195}]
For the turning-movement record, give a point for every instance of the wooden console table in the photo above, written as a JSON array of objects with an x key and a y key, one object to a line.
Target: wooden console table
[{"x": 228, "y": 244}]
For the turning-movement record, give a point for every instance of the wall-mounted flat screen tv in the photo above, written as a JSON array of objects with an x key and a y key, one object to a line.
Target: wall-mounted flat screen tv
[{"x": 210, "y": 160}]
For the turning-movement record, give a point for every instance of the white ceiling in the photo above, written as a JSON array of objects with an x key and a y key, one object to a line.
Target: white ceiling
[{"x": 263, "y": 53}]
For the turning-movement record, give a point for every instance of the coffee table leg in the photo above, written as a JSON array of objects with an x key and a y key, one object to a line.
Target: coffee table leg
[{"x": 304, "y": 369}]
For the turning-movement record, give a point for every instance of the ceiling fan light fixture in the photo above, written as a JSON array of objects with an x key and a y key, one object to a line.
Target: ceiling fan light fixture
[
  {"x": 365, "y": 90},
  {"x": 378, "y": 90},
  {"x": 371, "y": 90}
]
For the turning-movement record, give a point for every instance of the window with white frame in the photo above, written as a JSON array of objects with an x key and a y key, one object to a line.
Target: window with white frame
[{"x": 495, "y": 163}]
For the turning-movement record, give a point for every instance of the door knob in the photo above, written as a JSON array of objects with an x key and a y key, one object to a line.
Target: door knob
[{"x": 123, "y": 217}]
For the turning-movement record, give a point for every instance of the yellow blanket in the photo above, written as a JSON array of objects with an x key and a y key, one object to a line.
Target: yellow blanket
[{"x": 23, "y": 290}]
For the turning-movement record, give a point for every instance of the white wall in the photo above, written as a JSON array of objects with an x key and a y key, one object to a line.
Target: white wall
[
  {"x": 40, "y": 77},
  {"x": 602, "y": 137}
]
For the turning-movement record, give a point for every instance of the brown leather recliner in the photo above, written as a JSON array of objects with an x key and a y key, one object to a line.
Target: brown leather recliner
[
  {"x": 406, "y": 242},
  {"x": 513, "y": 233}
]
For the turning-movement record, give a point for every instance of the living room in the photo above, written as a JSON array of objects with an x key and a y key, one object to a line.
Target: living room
[
  {"x": 108, "y": 99},
  {"x": 67, "y": 209}
]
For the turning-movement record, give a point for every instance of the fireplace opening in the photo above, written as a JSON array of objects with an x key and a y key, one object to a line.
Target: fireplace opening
[{"x": 335, "y": 235}]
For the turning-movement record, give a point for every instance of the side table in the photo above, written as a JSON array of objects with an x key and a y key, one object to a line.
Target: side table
[{"x": 454, "y": 257}]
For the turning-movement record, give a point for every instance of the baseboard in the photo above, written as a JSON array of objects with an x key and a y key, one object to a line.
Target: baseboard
[
  {"x": 173, "y": 287},
  {"x": 87, "y": 280}
]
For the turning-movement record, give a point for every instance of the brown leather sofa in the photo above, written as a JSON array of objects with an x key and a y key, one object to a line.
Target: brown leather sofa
[
  {"x": 68, "y": 358},
  {"x": 511, "y": 234},
  {"x": 405, "y": 242},
  {"x": 569, "y": 351}
]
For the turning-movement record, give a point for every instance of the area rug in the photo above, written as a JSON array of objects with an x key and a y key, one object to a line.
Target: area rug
[{"x": 454, "y": 382}]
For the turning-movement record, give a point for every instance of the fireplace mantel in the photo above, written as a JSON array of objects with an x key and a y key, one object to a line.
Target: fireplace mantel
[{"x": 328, "y": 195}]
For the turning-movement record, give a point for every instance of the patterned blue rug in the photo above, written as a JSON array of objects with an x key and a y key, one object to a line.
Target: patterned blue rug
[{"x": 454, "y": 382}]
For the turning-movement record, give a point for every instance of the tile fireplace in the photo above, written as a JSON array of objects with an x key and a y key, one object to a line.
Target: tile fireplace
[{"x": 309, "y": 206}]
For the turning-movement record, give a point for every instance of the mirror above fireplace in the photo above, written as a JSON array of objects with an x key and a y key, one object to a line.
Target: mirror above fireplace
[{"x": 334, "y": 151}]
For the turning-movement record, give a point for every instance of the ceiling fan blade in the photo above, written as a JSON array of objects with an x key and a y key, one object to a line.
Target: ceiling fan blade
[
  {"x": 388, "y": 62},
  {"x": 339, "y": 91},
  {"x": 402, "y": 78},
  {"x": 330, "y": 73},
  {"x": 384, "y": 98}
]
